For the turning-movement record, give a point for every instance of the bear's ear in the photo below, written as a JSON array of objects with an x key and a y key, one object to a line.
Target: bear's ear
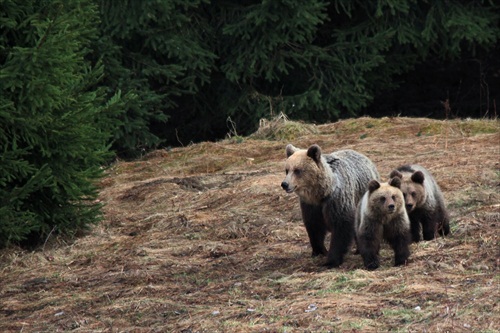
[
  {"x": 418, "y": 177},
  {"x": 314, "y": 152},
  {"x": 290, "y": 149},
  {"x": 396, "y": 173},
  {"x": 396, "y": 182},
  {"x": 373, "y": 185}
]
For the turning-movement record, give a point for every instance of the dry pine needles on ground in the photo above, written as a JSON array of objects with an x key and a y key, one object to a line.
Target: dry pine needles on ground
[{"x": 202, "y": 239}]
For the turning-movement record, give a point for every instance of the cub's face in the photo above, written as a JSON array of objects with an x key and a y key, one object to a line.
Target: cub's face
[
  {"x": 386, "y": 198},
  {"x": 414, "y": 194},
  {"x": 412, "y": 186}
]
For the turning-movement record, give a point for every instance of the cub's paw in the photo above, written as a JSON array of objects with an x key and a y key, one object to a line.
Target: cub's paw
[
  {"x": 372, "y": 264},
  {"x": 333, "y": 263}
]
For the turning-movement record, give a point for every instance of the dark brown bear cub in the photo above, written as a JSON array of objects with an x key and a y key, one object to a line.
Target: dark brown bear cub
[
  {"x": 329, "y": 187},
  {"x": 424, "y": 202},
  {"x": 381, "y": 215}
]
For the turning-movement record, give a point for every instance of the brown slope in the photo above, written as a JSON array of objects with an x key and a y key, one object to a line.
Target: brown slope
[{"x": 202, "y": 239}]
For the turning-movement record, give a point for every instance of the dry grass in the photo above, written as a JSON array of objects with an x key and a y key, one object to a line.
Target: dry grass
[
  {"x": 281, "y": 128},
  {"x": 202, "y": 239}
]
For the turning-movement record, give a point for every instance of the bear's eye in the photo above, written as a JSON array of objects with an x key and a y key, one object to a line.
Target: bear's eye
[
  {"x": 393, "y": 198},
  {"x": 382, "y": 199},
  {"x": 414, "y": 194},
  {"x": 297, "y": 172},
  {"x": 286, "y": 172}
]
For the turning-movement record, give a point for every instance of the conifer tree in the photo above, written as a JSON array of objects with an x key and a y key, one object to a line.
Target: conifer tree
[
  {"x": 184, "y": 67},
  {"x": 319, "y": 60},
  {"x": 154, "y": 52},
  {"x": 54, "y": 124}
]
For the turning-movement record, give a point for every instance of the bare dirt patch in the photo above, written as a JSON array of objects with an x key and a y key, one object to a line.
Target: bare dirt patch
[{"x": 202, "y": 239}]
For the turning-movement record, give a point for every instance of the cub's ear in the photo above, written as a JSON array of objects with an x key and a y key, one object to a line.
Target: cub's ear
[
  {"x": 314, "y": 152},
  {"x": 418, "y": 177},
  {"x": 290, "y": 149},
  {"x": 373, "y": 185},
  {"x": 396, "y": 182},
  {"x": 396, "y": 173}
]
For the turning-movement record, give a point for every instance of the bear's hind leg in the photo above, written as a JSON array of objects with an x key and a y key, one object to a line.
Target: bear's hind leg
[
  {"x": 315, "y": 227},
  {"x": 340, "y": 241},
  {"x": 444, "y": 228},
  {"x": 443, "y": 224}
]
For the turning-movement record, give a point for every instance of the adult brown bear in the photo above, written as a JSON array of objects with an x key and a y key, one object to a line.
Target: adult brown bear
[{"x": 329, "y": 187}]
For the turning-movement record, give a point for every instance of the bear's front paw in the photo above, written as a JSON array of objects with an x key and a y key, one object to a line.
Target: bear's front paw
[
  {"x": 318, "y": 253},
  {"x": 400, "y": 262},
  {"x": 415, "y": 239},
  {"x": 428, "y": 236},
  {"x": 372, "y": 264},
  {"x": 333, "y": 263}
]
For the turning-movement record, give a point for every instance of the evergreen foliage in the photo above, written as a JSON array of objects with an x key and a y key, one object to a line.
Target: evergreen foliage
[
  {"x": 314, "y": 60},
  {"x": 54, "y": 124},
  {"x": 186, "y": 67},
  {"x": 154, "y": 52}
]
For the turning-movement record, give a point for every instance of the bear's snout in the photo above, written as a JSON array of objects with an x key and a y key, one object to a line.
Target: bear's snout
[
  {"x": 409, "y": 207},
  {"x": 391, "y": 207},
  {"x": 287, "y": 187}
]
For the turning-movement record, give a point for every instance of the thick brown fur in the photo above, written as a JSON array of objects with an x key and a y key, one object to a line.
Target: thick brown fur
[
  {"x": 381, "y": 214},
  {"x": 329, "y": 187},
  {"x": 424, "y": 202}
]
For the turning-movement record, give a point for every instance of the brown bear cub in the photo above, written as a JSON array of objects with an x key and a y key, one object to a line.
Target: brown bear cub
[
  {"x": 381, "y": 215},
  {"x": 424, "y": 202},
  {"x": 329, "y": 187}
]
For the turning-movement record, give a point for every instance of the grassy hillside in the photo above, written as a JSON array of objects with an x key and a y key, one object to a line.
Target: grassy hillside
[{"x": 203, "y": 239}]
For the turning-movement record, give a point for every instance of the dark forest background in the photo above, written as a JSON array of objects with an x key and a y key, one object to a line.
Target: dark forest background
[
  {"x": 84, "y": 81},
  {"x": 194, "y": 64}
]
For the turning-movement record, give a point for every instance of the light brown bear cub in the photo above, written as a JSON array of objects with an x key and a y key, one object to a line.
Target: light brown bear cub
[
  {"x": 424, "y": 202},
  {"x": 329, "y": 187},
  {"x": 381, "y": 214}
]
